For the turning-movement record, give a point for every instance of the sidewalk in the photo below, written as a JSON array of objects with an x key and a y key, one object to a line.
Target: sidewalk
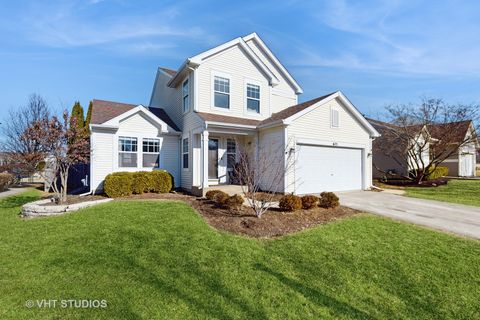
[{"x": 12, "y": 191}]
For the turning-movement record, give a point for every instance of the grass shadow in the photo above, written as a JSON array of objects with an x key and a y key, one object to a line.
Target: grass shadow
[
  {"x": 17, "y": 201},
  {"x": 337, "y": 307}
]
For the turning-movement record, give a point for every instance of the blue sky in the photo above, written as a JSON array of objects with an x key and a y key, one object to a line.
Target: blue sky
[{"x": 376, "y": 52}]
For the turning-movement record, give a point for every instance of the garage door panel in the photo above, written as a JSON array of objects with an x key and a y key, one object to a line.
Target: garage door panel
[{"x": 328, "y": 169}]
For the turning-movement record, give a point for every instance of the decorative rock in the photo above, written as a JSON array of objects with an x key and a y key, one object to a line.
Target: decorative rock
[{"x": 39, "y": 209}]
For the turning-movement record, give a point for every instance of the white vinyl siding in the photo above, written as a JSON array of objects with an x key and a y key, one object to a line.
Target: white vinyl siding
[
  {"x": 106, "y": 149},
  {"x": 316, "y": 126},
  {"x": 271, "y": 151},
  {"x": 238, "y": 68}
]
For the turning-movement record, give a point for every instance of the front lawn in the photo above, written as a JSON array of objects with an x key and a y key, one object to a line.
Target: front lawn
[
  {"x": 456, "y": 191},
  {"x": 160, "y": 260}
]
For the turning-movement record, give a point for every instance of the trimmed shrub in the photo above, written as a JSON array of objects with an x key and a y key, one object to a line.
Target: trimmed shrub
[
  {"x": 438, "y": 172},
  {"x": 309, "y": 201},
  {"x": 118, "y": 184},
  {"x": 290, "y": 202},
  {"x": 141, "y": 182},
  {"x": 161, "y": 181},
  {"x": 234, "y": 202},
  {"x": 210, "y": 195},
  {"x": 221, "y": 198},
  {"x": 5, "y": 180},
  {"x": 121, "y": 184},
  {"x": 328, "y": 200}
]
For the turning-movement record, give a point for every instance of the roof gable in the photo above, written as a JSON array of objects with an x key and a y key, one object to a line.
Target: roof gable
[
  {"x": 109, "y": 113},
  {"x": 292, "y": 113},
  {"x": 198, "y": 59}
]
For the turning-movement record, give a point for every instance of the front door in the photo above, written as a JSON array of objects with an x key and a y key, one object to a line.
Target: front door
[{"x": 212, "y": 158}]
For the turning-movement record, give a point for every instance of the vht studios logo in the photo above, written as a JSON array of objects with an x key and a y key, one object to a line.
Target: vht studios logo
[{"x": 67, "y": 303}]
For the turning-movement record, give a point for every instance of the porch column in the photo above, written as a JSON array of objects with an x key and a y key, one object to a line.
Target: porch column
[{"x": 204, "y": 151}]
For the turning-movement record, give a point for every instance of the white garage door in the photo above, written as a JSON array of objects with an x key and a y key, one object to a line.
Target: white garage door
[{"x": 327, "y": 169}]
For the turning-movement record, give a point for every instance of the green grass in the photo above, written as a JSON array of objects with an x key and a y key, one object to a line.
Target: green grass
[
  {"x": 456, "y": 191},
  {"x": 160, "y": 260}
]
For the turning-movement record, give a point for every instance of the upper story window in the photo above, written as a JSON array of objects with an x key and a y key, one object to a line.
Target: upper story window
[
  {"x": 253, "y": 97},
  {"x": 334, "y": 118},
  {"x": 185, "y": 95},
  {"x": 151, "y": 152},
  {"x": 185, "y": 153},
  {"x": 221, "y": 92},
  {"x": 127, "y": 152}
]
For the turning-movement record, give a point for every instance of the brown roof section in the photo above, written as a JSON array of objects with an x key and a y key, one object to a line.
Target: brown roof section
[
  {"x": 169, "y": 71},
  {"x": 103, "y": 110},
  {"x": 227, "y": 119},
  {"x": 290, "y": 111},
  {"x": 459, "y": 129}
]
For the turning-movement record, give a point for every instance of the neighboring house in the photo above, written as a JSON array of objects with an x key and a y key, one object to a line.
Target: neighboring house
[
  {"x": 461, "y": 163},
  {"x": 389, "y": 150},
  {"x": 234, "y": 96}
]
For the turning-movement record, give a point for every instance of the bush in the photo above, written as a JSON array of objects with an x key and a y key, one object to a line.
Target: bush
[
  {"x": 161, "y": 181},
  {"x": 118, "y": 184},
  {"x": 328, "y": 200},
  {"x": 438, "y": 172},
  {"x": 210, "y": 195},
  {"x": 290, "y": 202},
  {"x": 221, "y": 198},
  {"x": 5, "y": 180},
  {"x": 141, "y": 182},
  {"x": 122, "y": 184},
  {"x": 234, "y": 202},
  {"x": 309, "y": 202}
]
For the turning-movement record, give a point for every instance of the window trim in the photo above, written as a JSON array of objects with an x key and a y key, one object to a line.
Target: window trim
[
  {"x": 186, "y": 81},
  {"x": 148, "y": 152},
  {"x": 253, "y": 83},
  {"x": 185, "y": 153},
  {"x": 332, "y": 124},
  {"x": 119, "y": 150},
  {"x": 226, "y": 76}
]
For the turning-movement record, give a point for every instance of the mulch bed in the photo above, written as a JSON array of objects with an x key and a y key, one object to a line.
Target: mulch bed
[
  {"x": 274, "y": 223},
  {"x": 423, "y": 184},
  {"x": 75, "y": 199}
]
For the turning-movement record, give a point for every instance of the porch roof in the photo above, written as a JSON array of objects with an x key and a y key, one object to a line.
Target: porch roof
[{"x": 210, "y": 117}]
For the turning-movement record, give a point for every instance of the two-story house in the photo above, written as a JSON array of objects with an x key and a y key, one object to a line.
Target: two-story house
[{"x": 231, "y": 97}]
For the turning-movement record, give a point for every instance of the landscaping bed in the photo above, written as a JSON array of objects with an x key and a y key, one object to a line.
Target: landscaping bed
[
  {"x": 409, "y": 183},
  {"x": 273, "y": 223}
]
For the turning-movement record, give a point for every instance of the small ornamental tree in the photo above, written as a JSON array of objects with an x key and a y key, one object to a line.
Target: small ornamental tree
[{"x": 60, "y": 144}]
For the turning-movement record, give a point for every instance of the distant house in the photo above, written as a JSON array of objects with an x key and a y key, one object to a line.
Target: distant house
[{"x": 463, "y": 139}]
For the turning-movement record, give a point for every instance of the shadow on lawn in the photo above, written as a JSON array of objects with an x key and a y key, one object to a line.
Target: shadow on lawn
[{"x": 337, "y": 307}]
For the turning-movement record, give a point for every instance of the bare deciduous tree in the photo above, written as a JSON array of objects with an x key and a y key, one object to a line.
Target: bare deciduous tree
[
  {"x": 419, "y": 138},
  {"x": 18, "y": 121},
  {"x": 260, "y": 171}
]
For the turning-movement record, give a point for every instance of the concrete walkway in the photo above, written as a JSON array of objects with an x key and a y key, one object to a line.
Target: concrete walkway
[
  {"x": 12, "y": 191},
  {"x": 459, "y": 219}
]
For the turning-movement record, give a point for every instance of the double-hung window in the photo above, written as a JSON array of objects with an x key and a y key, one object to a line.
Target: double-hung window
[
  {"x": 185, "y": 153},
  {"x": 221, "y": 91},
  {"x": 253, "y": 97},
  {"x": 127, "y": 152},
  {"x": 185, "y": 96},
  {"x": 231, "y": 154},
  {"x": 151, "y": 153}
]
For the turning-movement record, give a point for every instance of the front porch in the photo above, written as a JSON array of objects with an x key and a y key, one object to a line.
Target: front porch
[{"x": 215, "y": 152}]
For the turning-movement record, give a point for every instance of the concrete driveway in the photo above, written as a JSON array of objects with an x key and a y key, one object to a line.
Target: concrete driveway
[{"x": 459, "y": 219}]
